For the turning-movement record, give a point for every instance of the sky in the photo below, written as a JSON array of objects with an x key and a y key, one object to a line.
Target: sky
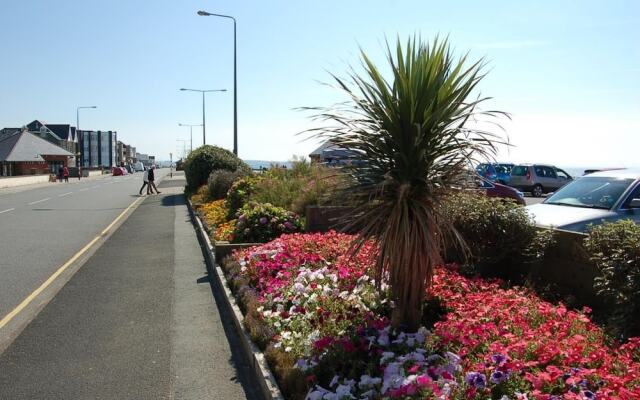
[{"x": 568, "y": 72}]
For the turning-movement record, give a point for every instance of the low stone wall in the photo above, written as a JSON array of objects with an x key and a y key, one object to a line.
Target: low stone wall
[{"x": 15, "y": 181}]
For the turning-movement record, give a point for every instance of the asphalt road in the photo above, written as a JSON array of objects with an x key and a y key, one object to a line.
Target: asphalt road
[
  {"x": 41, "y": 228},
  {"x": 137, "y": 321}
]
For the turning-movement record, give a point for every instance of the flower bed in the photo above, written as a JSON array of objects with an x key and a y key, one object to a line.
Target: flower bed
[{"x": 324, "y": 326}]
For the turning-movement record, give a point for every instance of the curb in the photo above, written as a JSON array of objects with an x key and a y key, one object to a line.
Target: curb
[{"x": 268, "y": 385}]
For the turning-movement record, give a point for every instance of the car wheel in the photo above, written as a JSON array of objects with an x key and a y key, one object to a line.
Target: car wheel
[{"x": 536, "y": 191}]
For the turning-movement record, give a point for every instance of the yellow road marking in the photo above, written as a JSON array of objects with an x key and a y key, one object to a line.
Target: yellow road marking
[{"x": 60, "y": 270}]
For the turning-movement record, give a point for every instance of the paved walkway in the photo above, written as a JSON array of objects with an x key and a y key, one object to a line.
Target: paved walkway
[{"x": 133, "y": 322}]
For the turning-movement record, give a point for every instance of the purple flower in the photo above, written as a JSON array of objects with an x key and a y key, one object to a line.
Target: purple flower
[
  {"x": 589, "y": 394},
  {"x": 242, "y": 218},
  {"x": 498, "y": 359},
  {"x": 476, "y": 379},
  {"x": 288, "y": 225},
  {"x": 263, "y": 221},
  {"x": 498, "y": 377}
]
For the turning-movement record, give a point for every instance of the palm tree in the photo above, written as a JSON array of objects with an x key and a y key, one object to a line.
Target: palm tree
[{"x": 412, "y": 137}]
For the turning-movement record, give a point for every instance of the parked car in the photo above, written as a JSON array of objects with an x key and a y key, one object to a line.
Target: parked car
[
  {"x": 138, "y": 166},
  {"x": 595, "y": 198},
  {"x": 496, "y": 172},
  {"x": 492, "y": 189},
  {"x": 538, "y": 178}
]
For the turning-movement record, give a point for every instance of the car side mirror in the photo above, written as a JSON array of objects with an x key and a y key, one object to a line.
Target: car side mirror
[{"x": 634, "y": 203}]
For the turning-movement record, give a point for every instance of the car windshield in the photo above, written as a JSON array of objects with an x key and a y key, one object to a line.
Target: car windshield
[{"x": 591, "y": 192}]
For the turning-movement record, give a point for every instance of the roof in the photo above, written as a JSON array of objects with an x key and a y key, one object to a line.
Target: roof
[
  {"x": 26, "y": 146},
  {"x": 63, "y": 131},
  {"x": 325, "y": 146}
]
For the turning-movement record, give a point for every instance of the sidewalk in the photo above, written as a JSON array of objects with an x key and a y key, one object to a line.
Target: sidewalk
[{"x": 137, "y": 321}]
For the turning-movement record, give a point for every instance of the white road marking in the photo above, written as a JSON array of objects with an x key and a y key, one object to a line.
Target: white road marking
[
  {"x": 64, "y": 194},
  {"x": 10, "y": 209},
  {"x": 39, "y": 201},
  {"x": 83, "y": 190}
]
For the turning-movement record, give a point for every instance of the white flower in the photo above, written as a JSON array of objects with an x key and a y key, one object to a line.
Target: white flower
[
  {"x": 287, "y": 349},
  {"x": 344, "y": 391}
]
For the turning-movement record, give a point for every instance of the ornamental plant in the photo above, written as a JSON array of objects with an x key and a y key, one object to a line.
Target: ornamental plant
[
  {"x": 220, "y": 182},
  {"x": 239, "y": 193},
  {"x": 262, "y": 222},
  {"x": 224, "y": 231},
  {"x": 214, "y": 213},
  {"x": 325, "y": 326},
  {"x": 409, "y": 134},
  {"x": 205, "y": 159},
  {"x": 501, "y": 238},
  {"x": 615, "y": 249}
]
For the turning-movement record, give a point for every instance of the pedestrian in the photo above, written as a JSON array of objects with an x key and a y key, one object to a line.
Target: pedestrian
[
  {"x": 152, "y": 179},
  {"x": 65, "y": 173},
  {"x": 60, "y": 172},
  {"x": 79, "y": 172},
  {"x": 145, "y": 182}
]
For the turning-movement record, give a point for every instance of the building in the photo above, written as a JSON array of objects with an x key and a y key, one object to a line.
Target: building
[
  {"x": 130, "y": 154},
  {"x": 62, "y": 135},
  {"x": 331, "y": 154},
  {"x": 24, "y": 153},
  {"x": 120, "y": 158},
  {"x": 98, "y": 149}
]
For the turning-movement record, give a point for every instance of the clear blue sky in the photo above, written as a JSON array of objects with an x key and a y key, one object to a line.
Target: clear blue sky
[{"x": 568, "y": 71}]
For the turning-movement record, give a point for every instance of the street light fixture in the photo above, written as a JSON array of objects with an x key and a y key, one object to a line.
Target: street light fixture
[
  {"x": 78, "y": 115},
  {"x": 78, "y": 127},
  {"x": 190, "y": 133},
  {"x": 204, "y": 129},
  {"x": 235, "y": 77}
]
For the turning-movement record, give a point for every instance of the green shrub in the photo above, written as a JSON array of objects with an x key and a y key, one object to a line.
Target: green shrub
[
  {"x": 239, "y": 193},
  {"x": 499, "y": 235},
  {"x": 220, "y": 182},
  {"x": 205, "y": 159},
  {"x": 295, "y": 188},
  {"x": 262, "y": 222},
  {"x": 615, "y": 249}
]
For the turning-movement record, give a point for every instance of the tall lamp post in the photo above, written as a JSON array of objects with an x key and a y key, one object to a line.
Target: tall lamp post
[
  {"x": 78, "y": 128},
  {"x": 190, "y": 133},
  {"x": 235, "y": 77},
  {"x": 204, "y": 126},
  {"x": 78, "y": 114}
]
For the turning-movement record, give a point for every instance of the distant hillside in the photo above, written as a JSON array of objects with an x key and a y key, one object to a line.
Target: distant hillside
[{"x": 259, "y": 164}]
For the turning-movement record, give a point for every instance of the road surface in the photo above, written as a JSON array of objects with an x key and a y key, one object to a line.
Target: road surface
[{"x": 41, "y": 228}]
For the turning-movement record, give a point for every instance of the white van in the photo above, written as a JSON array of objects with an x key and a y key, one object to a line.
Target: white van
[{"x": 137, "y": 167}]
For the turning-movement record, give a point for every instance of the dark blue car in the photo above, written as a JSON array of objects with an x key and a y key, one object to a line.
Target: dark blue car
[{"x": 496, "y": 172}]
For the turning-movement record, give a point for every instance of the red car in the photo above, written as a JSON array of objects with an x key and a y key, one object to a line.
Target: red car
[{"x": 493, "y": 189}]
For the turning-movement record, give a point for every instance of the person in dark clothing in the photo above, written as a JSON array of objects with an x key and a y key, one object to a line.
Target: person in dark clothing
[
  {"x": 60, "y": 173},
  {"x": 152, "y": 179}
]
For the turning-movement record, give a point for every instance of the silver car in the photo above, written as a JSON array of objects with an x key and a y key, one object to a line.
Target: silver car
[
  {"x": 591, "y": 200},
  {"x": 538, "y": 178}
]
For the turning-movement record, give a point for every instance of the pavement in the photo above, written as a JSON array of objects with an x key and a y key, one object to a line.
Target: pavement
[{"x": 137, "y": 321}]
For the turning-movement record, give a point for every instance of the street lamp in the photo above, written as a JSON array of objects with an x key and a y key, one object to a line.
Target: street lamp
[
  {"x": 204, "y": 129},
  {"x": 235, "y": 77},
  {"x": 78, "y": 115},
  {"x": 190, "y": 133},
  {"x": 78, "y": 127}
]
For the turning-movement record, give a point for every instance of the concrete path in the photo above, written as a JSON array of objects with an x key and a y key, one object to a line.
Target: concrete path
[{"x": 137, "y": 321}]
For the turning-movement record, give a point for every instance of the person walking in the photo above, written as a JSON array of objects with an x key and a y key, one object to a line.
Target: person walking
[
  {"x": 65, "y": 174},
  {"x": 60, "y": 172},
  {"x": 145, "y": 182},
  {"x": 152, "y": 179}
]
